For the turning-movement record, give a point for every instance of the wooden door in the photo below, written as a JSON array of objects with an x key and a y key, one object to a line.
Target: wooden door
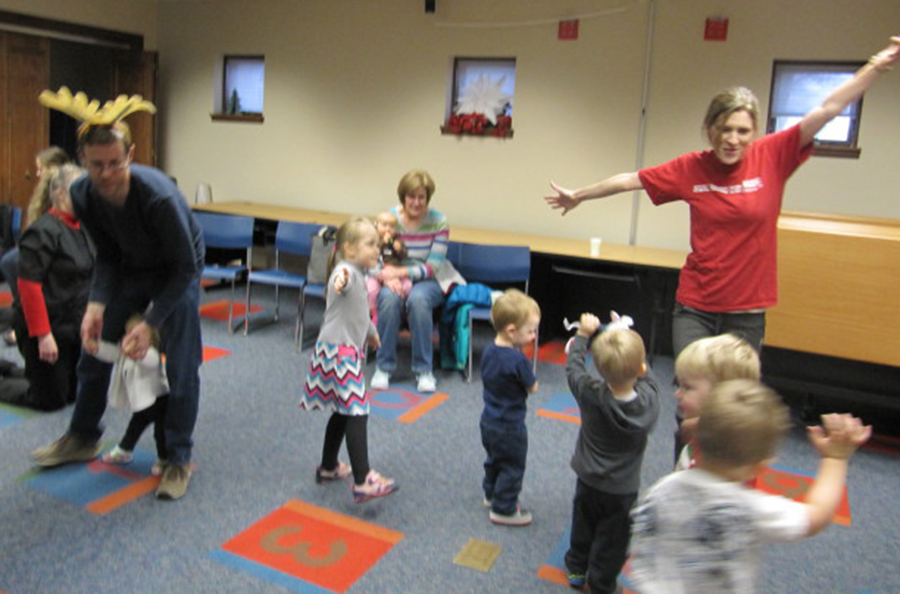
[
  {"x": 135, "y": 73},
  {"x": 24, "y": 73}
]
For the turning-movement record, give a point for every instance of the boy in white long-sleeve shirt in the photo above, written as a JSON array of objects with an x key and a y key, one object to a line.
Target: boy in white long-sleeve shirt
[{"x": 701, "y": 530}]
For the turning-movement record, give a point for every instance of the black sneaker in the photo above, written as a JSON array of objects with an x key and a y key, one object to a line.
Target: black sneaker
[{"x": 66, "y": 449}]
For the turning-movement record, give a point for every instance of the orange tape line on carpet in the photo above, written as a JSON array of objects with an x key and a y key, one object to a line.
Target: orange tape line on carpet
[
  {"x": 422, "y": 408},
  {"x": 325, "y": 515},
  {"x": 549, "y": 414},
  {"x": 125, "y": 495}
]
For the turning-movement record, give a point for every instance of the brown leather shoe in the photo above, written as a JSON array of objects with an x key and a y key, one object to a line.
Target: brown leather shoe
[{"x": 174, "y": 482}]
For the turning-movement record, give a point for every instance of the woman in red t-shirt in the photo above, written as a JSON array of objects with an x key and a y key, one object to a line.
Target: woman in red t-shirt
[{"x": 734, "y": 192}]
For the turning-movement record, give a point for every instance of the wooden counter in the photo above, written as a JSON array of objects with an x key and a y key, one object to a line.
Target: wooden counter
[
  {"x": 839, "y": 286},
  {"x": 611, "y": 252}
]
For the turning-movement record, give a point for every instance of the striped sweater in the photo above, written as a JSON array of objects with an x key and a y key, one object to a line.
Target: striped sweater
[{"x": 426, "y": 246}]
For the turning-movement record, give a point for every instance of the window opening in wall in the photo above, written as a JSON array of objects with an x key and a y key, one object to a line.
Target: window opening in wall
[
  {"x": 481, "y": 97},
  {"x": 798, "y": 87},
  {"x": 243, "y": 84}
]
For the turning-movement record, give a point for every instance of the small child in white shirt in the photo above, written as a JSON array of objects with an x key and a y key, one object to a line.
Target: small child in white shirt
[
  {"x": 141, "y": 387},
  {"x": 701, "y": 530}
]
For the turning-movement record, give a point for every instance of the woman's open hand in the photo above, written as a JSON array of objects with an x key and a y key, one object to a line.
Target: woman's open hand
[
  {"x": 48, "y": 351},
  {"x": 564, "y": 199},
  {"x": 888, "y": 57}
]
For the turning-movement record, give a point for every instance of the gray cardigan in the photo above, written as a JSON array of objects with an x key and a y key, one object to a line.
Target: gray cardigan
[{"x": 613, "y": 434}]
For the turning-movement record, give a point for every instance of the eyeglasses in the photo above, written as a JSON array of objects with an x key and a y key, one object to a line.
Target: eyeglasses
[{"x": 98, "y": 167}]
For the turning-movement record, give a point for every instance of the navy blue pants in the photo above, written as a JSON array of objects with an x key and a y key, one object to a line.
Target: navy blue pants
[
  {"x": 601, "y": 531},
  {"x": 506, "y": 446},
  {"x": 181, "y": 343}
]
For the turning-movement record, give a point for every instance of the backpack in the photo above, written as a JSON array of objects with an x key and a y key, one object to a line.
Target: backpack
[{"x": 322, "y": 246}]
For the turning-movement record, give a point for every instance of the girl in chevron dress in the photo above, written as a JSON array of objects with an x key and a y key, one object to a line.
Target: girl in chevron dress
[{"x": 335, "y": 380}]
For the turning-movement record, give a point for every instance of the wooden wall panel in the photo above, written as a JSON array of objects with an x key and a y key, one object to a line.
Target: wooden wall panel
[
  {"x": 839, "y": 281},
  {"x": 25, "y": 130}
]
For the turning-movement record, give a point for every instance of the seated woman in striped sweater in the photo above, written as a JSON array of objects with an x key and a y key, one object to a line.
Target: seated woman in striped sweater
[{"x": 426, "y": 234}]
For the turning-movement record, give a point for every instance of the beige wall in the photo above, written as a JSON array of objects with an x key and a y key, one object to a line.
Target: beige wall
[
  {"x": 687, "y": 71},
  {"x": 356, "y": 91}
]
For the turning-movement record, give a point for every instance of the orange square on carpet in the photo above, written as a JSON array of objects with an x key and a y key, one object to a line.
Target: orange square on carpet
[
  {"x": 6, "y": 299},
  {"x": 218, "y": 310},
  {"x": 315, "y": 545},
  {"x": 211, "y": 352},
  {"x": 549, "y": 352},
  {"x": 795, "y": 486}
]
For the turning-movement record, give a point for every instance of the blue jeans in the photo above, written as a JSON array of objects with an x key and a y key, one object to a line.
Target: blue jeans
[
  {"x": 181, "y": 343},
  {"x": 506, "y": 446},
  {"x": 424, "y": 297}
]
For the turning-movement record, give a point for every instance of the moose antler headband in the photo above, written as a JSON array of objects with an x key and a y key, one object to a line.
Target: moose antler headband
[{"x": 90, "y": 113}]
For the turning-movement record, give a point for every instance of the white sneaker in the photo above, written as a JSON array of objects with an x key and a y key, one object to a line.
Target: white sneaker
[
  {"x": 519, "y": 518},
  {"x": 381, "y": 380},
  {"x": 426, "y": 382}
]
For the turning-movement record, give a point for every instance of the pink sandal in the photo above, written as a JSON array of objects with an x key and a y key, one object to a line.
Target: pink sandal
[
  {"x": 338, "y": 474},
  {"x": 375, "y": 486}
]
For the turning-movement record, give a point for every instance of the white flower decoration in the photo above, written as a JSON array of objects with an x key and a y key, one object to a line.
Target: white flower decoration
[{"x": 484, "y": 96}]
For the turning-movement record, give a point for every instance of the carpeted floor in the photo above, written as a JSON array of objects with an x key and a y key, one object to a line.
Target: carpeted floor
[{"x": 254, "y": 520}]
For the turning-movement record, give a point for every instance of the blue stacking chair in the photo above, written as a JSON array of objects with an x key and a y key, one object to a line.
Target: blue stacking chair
[
  {"x": 290, "y": 238},
  {"x": 227, "y": 232},
  {"x": 453, "y": 253},
  {"x": 16, "y": 223},
  {"x": 310, "y": 291},
  {"x": 493, "y": 264}
]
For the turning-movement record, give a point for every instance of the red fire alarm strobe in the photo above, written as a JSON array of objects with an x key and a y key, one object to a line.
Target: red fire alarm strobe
[
  {"x": 716, "y": 29},
  {"x": 568, "y": 29}
]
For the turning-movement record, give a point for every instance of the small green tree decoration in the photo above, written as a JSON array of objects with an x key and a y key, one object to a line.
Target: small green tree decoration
[{"x": 234, "y": 103}]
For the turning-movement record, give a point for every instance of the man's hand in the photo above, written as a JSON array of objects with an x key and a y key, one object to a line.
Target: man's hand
[
  {"x": 92, "y": 326},
  {"x": 136, "y": 342}
]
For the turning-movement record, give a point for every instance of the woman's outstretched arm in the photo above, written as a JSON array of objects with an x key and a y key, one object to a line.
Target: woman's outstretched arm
[
  {"x": 568, "y": 199},
  {"x": 849, "y": 92}
]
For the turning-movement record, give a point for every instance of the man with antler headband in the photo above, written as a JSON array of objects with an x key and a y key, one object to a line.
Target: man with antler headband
[{"x": 150, "y": 254}]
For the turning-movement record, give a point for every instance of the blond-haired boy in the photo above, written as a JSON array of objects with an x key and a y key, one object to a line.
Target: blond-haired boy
[
  {"x": 698, "y": 368},
  {"x": 700, "y": 530},
  {"x": 618, "y": 410},
  {"x": 508, "y": 379}
]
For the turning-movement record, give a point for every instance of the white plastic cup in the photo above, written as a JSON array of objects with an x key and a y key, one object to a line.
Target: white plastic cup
[
  {"x": 596, "y": 242},
  {"x": 203, "y": 195}
]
